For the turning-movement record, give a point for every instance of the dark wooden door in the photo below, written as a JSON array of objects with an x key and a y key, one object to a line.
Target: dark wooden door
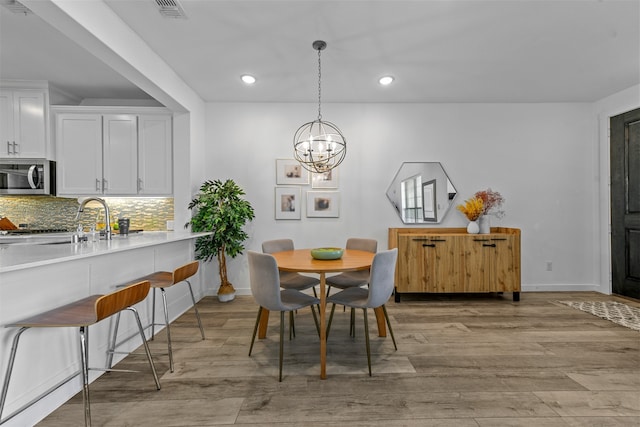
[{"x": 625, "y": 204}]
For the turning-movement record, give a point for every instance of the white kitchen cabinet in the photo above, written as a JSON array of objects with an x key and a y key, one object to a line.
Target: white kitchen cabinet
[
  {"x": 120, "y": 154},
  {"x": 113, "y": 154},
  {"x": 79, "y": 154},
  {"x": 23, "y": 123},
  {"x": 155, "y": 155}
]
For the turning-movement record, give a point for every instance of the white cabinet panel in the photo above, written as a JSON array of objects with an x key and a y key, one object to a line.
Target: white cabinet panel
[
  {"x": 154, "y": 155},
  {"x": 23, "y": 124},
  {"x": 119, "y": 147},
  {"x": 79, "y": 145}
]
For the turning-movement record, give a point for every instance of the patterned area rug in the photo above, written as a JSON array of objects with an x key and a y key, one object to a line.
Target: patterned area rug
[{"x": 616, "y": 312}]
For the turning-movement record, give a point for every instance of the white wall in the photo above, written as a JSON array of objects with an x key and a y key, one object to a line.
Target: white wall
[{"x": 542, "y": 157}]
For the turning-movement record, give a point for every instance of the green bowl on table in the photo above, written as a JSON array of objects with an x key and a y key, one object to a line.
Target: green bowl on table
[{"x": 327, "y": 253}]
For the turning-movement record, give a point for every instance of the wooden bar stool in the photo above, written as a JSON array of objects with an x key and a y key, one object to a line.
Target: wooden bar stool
[
  {"x": 81, "y": 314},
  {"x": 163, "y": 280}
]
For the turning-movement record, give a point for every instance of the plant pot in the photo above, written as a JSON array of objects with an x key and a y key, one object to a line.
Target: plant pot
[
  {"x": 473, "y": 227},
  {"x": 226, "y": 297},
  {"x": 226, "y": 293}
]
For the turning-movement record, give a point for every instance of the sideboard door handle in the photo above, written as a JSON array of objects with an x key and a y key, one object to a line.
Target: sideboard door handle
[
  {"x": 432, "y": 245},
  {"x": 491, "y": 245}
]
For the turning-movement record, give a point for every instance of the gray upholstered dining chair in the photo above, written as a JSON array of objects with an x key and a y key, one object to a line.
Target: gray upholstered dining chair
[
  {"x": 290, "y": 279},
  {"x": 265, "y": 287},
  {"x": 381, "y": 283},
  {"x": 352, "y": 279}
]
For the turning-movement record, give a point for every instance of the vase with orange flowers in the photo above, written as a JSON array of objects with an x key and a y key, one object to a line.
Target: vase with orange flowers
[{"x": 472, "y": 208}]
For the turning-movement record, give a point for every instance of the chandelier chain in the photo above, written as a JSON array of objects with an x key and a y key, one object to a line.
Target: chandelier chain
[
  {"x": 319, "y": 146},
  {"x": 319, "y": 86}
]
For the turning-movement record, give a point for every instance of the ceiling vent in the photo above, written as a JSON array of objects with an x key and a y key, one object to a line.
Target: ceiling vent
[
  {"x": 14, "y": 6},
  {"x": 171, "y": 9}
]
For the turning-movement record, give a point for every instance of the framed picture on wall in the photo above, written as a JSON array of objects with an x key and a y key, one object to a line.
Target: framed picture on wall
[
  {"x": 289, "y": 171},
  {"x": 325, "y": 180},
  {"x": 323, "y": 204},
  {"x": 287, "y": 203}
]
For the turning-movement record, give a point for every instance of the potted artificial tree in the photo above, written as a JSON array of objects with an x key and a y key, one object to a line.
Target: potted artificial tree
[{"x": 220, "y": 209}]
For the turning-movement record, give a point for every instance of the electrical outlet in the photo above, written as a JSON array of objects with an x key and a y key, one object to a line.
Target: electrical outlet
[
  {"x": 170, "y": 225},
  {"x": 549, "y": 266}
]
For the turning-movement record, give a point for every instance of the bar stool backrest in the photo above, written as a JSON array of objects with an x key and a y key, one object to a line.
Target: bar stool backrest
[
  {"x": 182, "y": 273},
  {"x": 121, "y": 299}
]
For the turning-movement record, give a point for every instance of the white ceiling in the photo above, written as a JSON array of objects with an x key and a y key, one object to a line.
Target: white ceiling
[{"x": 438, "y": 51}]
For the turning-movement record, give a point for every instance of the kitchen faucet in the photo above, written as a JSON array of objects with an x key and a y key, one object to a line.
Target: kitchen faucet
[{"x": 107, "y": 227}]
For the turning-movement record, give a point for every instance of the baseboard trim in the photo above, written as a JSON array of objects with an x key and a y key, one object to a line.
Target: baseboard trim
[{"x": 561, "y": 287}]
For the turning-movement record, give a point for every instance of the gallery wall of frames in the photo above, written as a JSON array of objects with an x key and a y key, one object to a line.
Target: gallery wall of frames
[{"x": 321, "y": 198}]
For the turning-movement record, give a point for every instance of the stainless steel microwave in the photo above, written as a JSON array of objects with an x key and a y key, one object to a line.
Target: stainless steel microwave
[{"x": 27, "y": 177}]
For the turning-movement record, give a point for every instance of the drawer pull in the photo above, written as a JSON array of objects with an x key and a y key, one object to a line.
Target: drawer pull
[
  {"x": 432, "y": 245},
  {"x": 490, "y": 245}
]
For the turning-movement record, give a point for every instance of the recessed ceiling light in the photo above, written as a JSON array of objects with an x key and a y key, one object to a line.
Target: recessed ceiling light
[
  {"x": 386, "y": 80},
  {"x": 248, "y": 79}
]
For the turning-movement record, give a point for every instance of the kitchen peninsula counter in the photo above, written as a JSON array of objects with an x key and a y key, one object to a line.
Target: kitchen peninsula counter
[
  {"x": 21, "y": 256},
  {"x": 35, "y": 278}
]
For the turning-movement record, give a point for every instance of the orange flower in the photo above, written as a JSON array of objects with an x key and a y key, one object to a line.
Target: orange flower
[{"x": 472, "y": 208}]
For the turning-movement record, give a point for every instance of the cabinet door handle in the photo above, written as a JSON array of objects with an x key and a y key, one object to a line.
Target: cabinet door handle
[
  {"x": 490, "y": 245},
  {"x": 105, "y": 185},
  {"x": 139, "y": 184},
  {"x": 438, "y": 240},
  {"x": 420, "y": 240},
  {"x": 497, "y": 239},
  {"x": 97, "y": 184},
  {"x": 480, "y": 240},
  {"x": 15, "y": 144},
  {"x": 432, "y": 245},
  {"x": 8, "y": 147}
]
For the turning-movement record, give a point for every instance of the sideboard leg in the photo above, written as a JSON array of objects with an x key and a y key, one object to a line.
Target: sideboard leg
[{"x": 516, "y": 296}]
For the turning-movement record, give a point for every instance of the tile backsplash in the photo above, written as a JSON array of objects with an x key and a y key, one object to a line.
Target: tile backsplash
[{"x": 150, "y": 214}]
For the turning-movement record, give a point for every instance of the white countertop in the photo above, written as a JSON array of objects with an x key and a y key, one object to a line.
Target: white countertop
[{"x": 20, "y": 256}]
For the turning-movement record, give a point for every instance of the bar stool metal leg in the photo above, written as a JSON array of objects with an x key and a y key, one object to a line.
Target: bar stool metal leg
[
  {"x": 195, "y": 308},
  {"x": 168, "y": 326},
  {"x": 7, "y": 377},
  {"x": 153, "y": 314},
  {"x": 112, "y": 345},
  {"x": 146, "y": 346},
  {"x": 84, "y": 362}
]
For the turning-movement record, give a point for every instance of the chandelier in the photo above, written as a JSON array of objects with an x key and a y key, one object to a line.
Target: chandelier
[{"x": 319, "y": 145}]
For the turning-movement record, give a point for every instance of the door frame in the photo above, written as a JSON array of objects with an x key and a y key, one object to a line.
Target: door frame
[{"x": 612, "y": 106}]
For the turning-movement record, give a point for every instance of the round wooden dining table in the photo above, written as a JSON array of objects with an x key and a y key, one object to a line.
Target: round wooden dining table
[{"x": 301, "y": 261}]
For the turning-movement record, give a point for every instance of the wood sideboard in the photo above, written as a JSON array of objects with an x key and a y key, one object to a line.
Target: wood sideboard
[{"x": 449, "y": 260}]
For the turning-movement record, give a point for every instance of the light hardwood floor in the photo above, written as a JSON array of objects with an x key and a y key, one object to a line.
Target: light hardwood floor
[{"x": 461, "y": 361}]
